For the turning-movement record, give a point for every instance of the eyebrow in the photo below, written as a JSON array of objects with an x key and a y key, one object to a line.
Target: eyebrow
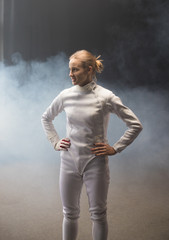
[{"x": 74, "y": 67}]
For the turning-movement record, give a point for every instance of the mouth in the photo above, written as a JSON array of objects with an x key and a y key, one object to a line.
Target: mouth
[{"x": 73, "y": 80}]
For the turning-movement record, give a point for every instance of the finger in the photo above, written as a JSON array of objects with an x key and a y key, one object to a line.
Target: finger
[
  {"x": 63, "y": 149},
  {"x": 99, "y": 144},
  {"x": 65, "y": 143},
  {"x": 101, "y": 147},
  {"x": 66, "y": 139},
  {"x": 101, "y": 154},
  {"x": 64, "y": 146},
  {"x": 98, "y": 149}
]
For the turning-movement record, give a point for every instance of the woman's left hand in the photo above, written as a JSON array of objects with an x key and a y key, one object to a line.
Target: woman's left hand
[{"x": 102, "y": 149}]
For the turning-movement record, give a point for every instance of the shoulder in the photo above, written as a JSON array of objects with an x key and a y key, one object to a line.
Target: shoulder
[
  {"x": 104, "y": 91},
  {"x": 66, "y": 91},
  {"x": 111, "y": 99}
]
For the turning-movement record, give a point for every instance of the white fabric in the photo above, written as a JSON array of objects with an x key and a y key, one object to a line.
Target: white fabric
[
  {"x": 87, "y": 110},
  {"x": 96, "y": 179}
]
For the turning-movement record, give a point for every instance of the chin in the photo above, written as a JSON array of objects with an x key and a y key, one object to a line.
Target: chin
[{"x": 74, "y": 83}]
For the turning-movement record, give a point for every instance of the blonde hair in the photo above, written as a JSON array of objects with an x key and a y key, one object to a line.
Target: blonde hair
[{"x": 88, "y": 59}]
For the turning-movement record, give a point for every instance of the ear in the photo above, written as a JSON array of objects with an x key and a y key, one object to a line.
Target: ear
[{"x": 90, "y": 69}]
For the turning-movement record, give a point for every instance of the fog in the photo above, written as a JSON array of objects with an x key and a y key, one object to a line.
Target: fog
[{"x": 29, "y": 167}]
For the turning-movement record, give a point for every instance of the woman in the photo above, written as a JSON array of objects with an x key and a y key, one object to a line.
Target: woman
[{"x": 85, "y": 150}]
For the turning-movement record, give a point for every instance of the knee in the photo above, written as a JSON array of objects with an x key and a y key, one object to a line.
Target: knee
[
  {"x": 98, "y": 214},
  {"x": 71, "y": 213}
]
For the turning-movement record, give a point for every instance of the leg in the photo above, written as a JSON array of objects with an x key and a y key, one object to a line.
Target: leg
[
  {"x": 96, "y": 179},
  {"x": 70, "y": 190}
]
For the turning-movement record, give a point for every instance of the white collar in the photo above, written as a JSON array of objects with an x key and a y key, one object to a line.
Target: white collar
[{"x": 88, "y": 87}]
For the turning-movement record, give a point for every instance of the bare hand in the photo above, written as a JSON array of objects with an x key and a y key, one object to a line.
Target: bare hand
[
  {"x": 63, "y": 144},
  {"x": 102, "y": 149}
]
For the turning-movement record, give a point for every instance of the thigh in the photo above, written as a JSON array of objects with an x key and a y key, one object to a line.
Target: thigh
[
  {"x": 70, "y": 188},
  {"x": 70, "y": 184},
  {"x": 96, "y": 179}
]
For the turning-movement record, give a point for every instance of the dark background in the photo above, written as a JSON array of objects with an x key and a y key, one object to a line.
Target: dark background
[
  {"x": 131, "y": 35},
  {"x": 36, "y": 38}
]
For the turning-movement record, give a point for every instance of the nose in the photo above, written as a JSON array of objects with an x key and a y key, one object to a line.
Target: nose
[{"x": 70, "y": 74}]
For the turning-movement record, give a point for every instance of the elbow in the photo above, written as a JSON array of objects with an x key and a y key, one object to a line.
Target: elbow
[
  {"x": 139, "y": 127},
  {"x": 44, "y": 118}
]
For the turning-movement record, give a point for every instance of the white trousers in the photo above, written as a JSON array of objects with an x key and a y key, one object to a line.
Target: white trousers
[{"x": 96, "y": 179}]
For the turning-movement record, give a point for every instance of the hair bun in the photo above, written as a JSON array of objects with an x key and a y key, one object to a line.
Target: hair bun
[{"x": 99, "y": 65}]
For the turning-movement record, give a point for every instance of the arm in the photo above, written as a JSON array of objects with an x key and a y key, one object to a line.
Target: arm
[
  {"x": 47, "y": 122},
  {"x": 132, "y": 122},
  {"x": 116, "y": 106}
]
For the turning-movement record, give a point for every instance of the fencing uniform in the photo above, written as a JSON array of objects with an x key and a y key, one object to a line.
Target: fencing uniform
[{"x": 87, "y": 111}]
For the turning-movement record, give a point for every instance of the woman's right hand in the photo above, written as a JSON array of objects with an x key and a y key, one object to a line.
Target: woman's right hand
[{"x": 63, "y": 145}]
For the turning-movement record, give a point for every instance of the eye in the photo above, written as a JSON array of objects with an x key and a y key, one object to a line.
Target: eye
[{"x": 74, "y": 69}]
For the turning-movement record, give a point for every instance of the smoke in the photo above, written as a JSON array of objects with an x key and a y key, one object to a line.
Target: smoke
[
  {"x": 29, "y": 165},
  {"x": 26, "y": 90}
]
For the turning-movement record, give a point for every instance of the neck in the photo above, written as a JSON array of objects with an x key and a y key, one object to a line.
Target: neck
[{"x": 85, "y": 83}]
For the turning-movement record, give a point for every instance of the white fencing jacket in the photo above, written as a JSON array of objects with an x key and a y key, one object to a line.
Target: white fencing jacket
[{"x": 87, "y": 111}]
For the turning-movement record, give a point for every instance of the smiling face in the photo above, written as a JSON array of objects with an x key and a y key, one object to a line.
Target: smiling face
[{"x": 78, "y": 74}]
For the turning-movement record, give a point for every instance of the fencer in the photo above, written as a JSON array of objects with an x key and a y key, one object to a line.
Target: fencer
[{"x": 85, "y": 149}]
